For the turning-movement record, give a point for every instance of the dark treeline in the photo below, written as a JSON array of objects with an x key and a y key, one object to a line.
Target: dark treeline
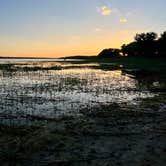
[{"x": 144, "y": 44}]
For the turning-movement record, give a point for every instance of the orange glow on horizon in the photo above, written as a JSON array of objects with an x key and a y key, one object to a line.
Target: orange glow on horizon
[{"x": 75, "y": 46}]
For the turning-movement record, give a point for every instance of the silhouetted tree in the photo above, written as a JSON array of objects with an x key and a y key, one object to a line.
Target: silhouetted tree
[
  {"x": 144, "y": 45},
  {"x": 163, "y": 37},
  {"x": 146, "y": 37},
  {"x": 108, "y": 53},
  {"x": 131, "y": 49},
  {"x": 162, "y": 44}
]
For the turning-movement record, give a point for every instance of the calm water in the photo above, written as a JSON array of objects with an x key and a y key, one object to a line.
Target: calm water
[
  {"x": 8, "y": 60},
  {"x": 65, "y": 91}
]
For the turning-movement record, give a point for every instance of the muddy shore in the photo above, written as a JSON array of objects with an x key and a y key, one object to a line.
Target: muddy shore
[
  {"x": 114, "y": 135},
  {"x": 120, "y": 133}
]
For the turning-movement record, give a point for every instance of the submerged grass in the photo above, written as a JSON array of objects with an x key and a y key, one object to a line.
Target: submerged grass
[
  {"x": 79, "y": 139},
  {"x": 113, "y": 63},
  {"x": 13, "y": 68},
  {"x": 73, "y": 140}
]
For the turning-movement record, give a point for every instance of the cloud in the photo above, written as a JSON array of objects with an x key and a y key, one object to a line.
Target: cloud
[
  {"x": 104, "y": 10},
  {"x": 98, "y": 30},
  {"x": 123, "y": 20}
]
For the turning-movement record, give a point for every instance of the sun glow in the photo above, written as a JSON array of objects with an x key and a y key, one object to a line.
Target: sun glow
[
  {"x": 85, "y": 28},
  {"x": 80, "y": 46}
]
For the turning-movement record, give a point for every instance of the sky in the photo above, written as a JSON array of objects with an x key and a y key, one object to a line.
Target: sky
[{"x": 58, "y": 28}]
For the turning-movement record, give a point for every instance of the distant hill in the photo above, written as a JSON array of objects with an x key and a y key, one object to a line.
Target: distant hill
[
  {"x": 108, "y": 53},
  {"x": 79, "y": 57}
]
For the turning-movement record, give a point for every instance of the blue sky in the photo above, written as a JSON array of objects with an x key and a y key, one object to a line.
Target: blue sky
[{"x": 54, "y": 28}]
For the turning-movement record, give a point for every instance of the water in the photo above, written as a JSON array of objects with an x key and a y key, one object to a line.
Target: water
[
  {"x": 65, "y": 91},
  {"x": 9, "y": 60}
]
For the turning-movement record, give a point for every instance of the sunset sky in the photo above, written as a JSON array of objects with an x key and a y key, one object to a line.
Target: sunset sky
[{"x": 56, "y": 28}]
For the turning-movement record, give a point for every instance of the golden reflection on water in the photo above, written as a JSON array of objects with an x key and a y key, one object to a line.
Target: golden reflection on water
[{"x": 51, "y": 93}]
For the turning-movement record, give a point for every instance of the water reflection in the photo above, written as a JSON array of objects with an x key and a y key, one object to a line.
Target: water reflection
[{"x": 52, "y": 93}]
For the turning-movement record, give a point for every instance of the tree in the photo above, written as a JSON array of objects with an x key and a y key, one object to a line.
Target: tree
[
  {"x": 108, "y": 53},
  {"x": 162, "y": 44},
  {"x": 147, "y": 43},
  {"x": 131, "y": 49},
  {"x": 146, "y": 37},
  {"x": 163, "y": 37}
]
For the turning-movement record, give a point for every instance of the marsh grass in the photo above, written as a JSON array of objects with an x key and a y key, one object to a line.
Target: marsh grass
[
  {"x": 7, "y": 67},
  {"x": 21, "y": 67},
  {"x": 86, "y": 137},
  {"x": 113, "y": 63},
  {"x": 67, "y": 139},
  {"x": 18, "y": 143},
  {"x": 39, "y": 68},
  {"x": 143, "y": 63},
  {"x": 13, "y": 139}
]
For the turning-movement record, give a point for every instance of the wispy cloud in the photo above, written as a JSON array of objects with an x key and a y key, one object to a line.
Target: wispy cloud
[
  {"x": 98, "y": 29},
  {"x": 123, "y": 20},
  {"x": 104, "y": 10}
]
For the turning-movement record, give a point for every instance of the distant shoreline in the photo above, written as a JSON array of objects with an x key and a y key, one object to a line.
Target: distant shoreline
[
  {"x": 69, "y": 57},
  {"x": 26, "y": 58}
]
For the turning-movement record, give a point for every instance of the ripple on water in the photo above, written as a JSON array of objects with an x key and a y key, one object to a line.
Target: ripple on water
[{"x": 51, "y": 93}]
